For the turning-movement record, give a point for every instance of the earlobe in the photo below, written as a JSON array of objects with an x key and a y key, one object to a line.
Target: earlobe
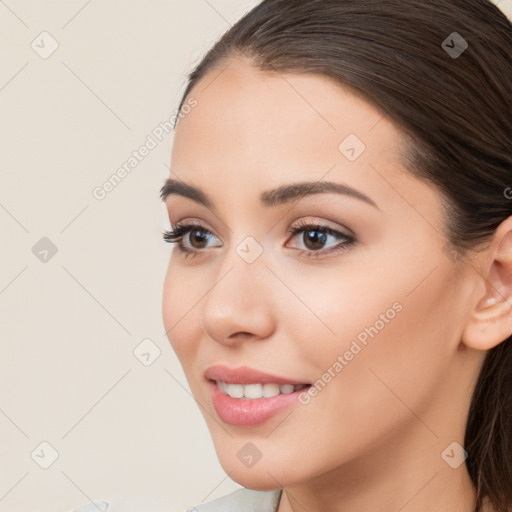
[{"x": 490, "y": 321}]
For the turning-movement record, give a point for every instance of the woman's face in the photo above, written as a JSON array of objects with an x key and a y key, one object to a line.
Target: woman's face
[{"x": 377, "y": 320}]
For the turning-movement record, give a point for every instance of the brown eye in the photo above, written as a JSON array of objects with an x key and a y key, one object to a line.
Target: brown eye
[
  {"x": 197, "y": 238},
  {"x": 315, "y": 237}
]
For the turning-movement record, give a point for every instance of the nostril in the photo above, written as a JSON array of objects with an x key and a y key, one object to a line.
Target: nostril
[{"x": 242, "y": 334}]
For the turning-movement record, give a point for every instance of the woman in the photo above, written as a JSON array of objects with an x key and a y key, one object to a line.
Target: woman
[{"x": 341, "y": 291}]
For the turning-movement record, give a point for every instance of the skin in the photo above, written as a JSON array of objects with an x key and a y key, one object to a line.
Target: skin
[{"x": 372, "y": 438}]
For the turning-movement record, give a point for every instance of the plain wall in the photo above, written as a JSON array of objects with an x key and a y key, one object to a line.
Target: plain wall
[{"x": 70, "y": 321}]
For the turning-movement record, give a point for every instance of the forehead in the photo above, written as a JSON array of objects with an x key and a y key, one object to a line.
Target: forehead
[
  {"x": 278, "y": 110},
  {"x": 253, "y": 130}
]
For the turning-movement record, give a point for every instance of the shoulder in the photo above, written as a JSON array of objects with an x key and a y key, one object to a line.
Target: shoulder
[{"x": 242, "y": 500}]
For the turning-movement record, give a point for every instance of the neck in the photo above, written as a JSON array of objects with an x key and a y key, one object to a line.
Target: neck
[{"x": 411, "y": 476}]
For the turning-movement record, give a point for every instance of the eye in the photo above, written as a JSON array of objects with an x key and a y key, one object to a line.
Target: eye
[
  {"x": 199, "y": 236},
  {"x": 315, "y": 237}
]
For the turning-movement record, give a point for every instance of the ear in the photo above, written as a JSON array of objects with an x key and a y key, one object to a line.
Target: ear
[{"x": 490, "y": 320}]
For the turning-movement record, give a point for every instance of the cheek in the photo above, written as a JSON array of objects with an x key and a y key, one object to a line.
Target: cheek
[
  {"x": 332, "y": 309},
  {"x": 179, "y": 311},
  {"x": 391, "y": 348}
]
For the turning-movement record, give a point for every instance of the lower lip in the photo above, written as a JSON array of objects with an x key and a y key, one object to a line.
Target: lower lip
[{"x": 248, "y": 412}]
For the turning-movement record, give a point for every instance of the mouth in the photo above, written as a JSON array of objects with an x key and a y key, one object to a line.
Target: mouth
[
  {"x": 246, "y": 396},
  {"x": 257, "y": 390},
  {"x": 251, "y": 405}
]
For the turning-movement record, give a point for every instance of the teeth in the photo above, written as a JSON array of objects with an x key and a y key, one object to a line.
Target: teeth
[
  {"x": 252, "y": 391},
  {"x": 287, "y": 389},
  {"x": 270, "y": 390}
]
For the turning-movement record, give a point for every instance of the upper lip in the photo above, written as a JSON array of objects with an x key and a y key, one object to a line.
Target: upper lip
[{"x": 245, "y": 375}]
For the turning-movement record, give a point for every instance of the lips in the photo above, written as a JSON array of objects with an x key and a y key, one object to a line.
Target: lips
[
  {"x": 246, "y": 375},
  {"x": 243, "y": 412}
]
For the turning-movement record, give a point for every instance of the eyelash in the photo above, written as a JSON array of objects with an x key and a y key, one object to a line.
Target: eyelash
[{"x": 177, "y": 234}]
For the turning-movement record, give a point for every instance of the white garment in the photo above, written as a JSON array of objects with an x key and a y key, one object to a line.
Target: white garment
[{"x": 242, "y": 500}]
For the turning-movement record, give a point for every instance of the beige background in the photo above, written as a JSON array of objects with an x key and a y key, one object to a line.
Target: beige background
[{"x": 70, "y": 323}]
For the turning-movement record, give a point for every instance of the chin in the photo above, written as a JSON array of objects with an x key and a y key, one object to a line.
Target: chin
[
  {"x": 262, "y": 476},
  {"x": 261, "y": 482}
]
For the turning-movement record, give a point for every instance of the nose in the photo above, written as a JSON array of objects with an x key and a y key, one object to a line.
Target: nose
[{"x": 239, "y": 305}]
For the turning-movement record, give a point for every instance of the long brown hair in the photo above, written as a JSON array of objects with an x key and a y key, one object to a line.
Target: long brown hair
[{"x": 441, "y": 70}]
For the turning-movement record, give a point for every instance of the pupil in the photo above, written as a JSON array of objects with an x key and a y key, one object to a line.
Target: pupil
[
  {"x": 198, "y": 237},
  {"x": 315, "y": 239}
]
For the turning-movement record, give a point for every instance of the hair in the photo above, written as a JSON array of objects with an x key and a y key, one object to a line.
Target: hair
[{"x": 455, "y": 111}]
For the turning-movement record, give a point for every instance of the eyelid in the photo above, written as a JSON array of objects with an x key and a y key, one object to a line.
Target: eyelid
[
  {"x": 321, "y": 221},
  {"x": 191, "y": 221},
  {"x": 304, "y": 225}
]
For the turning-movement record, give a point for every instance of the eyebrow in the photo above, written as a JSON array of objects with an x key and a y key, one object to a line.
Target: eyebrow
[{"x": 277, "y": 196}]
